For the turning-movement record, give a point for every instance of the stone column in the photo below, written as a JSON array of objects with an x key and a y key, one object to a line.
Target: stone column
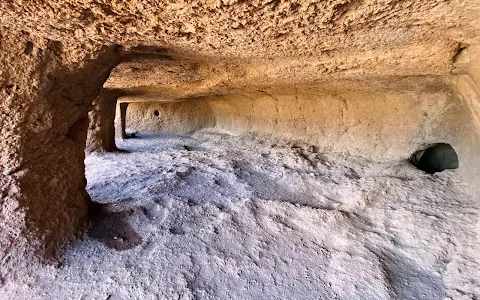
[
  {"x": 45, "y": 93},
  {"x": 123, "y": 119},
  {"x": 101, "y": 130}
]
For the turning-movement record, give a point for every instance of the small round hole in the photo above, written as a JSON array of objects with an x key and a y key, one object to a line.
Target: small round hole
[{"x": 156, "y": 113}]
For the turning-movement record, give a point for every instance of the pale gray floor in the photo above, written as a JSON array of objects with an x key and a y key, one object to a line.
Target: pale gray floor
[{"x": 213, "y": 216}]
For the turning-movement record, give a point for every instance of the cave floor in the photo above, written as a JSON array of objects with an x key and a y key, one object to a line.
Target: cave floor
[{"x": 215, "y": 216}]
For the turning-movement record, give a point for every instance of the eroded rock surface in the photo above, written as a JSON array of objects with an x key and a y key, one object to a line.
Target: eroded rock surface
[
  {"x": 56, "y": 55},
  {"x": 45, "y": 99},
  {"x": 101, "y": 129}
]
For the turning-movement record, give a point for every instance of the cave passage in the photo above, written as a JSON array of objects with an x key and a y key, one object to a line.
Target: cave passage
[
  {"x": 239, "y": 149},
  {"x": 269, "y": 193}
]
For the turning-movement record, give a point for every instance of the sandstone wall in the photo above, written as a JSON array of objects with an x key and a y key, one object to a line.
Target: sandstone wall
[
  {"x": 465, "y": 85},
  {"x": 45, "y": 89},
  {"x": 175, "y": 118},
  {"x": 101, "y": 130},
  {"x": 383, "y": 119},
  {"x": 372, "y": 123},
  {"x": 377, "y": 122}
]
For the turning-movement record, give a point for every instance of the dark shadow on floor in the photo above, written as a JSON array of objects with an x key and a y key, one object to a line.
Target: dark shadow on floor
[{"x": 111, "y": 228}]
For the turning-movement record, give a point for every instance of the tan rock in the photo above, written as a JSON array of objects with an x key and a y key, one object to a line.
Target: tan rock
[{"x": 373, "y": 78}]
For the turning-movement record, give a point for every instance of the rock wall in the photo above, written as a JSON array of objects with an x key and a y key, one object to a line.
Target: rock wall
[
  {"x": 465, "y": 86},
  {"x": 174, "y": 118},
  {"x": 46, "y": 88},
  {"x": 381, "y": 120},
  {"x": 370, "y": 121},
  {"x": 373, "y": 123},
  {"x": 101, "y": 129}
]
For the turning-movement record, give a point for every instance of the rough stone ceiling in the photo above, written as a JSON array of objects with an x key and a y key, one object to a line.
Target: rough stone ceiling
[
  {"x": 219, "y": 46},
  {"x": 250, "y": 28},
  {"x": 181, "y": 79}
]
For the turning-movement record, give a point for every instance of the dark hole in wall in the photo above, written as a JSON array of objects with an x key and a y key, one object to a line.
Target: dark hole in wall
[
  {"x": 156, "y": 113},
  {"x": 436, "y": 158},
  {"x": 28, "y": 48},
  {"x": 460, "y": 49}
]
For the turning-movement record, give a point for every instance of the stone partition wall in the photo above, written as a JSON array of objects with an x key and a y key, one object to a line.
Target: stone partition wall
[
  {"x": 101, "y": 129},
  {"x": 46, "y": 88},
  {"x": 120, "y": 122}
]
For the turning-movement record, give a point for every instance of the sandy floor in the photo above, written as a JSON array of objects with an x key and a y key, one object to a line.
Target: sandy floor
[{"x": 213, "y": 216}]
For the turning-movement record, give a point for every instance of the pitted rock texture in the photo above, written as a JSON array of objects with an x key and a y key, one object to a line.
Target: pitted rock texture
[
  {"x": 45, "y": 96},
  {"x": 252, "y": 28},
  {"x": 55, "y": 56},
  {"x": 101, "y": 129},
  {"x": 286, "y": 39}
]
